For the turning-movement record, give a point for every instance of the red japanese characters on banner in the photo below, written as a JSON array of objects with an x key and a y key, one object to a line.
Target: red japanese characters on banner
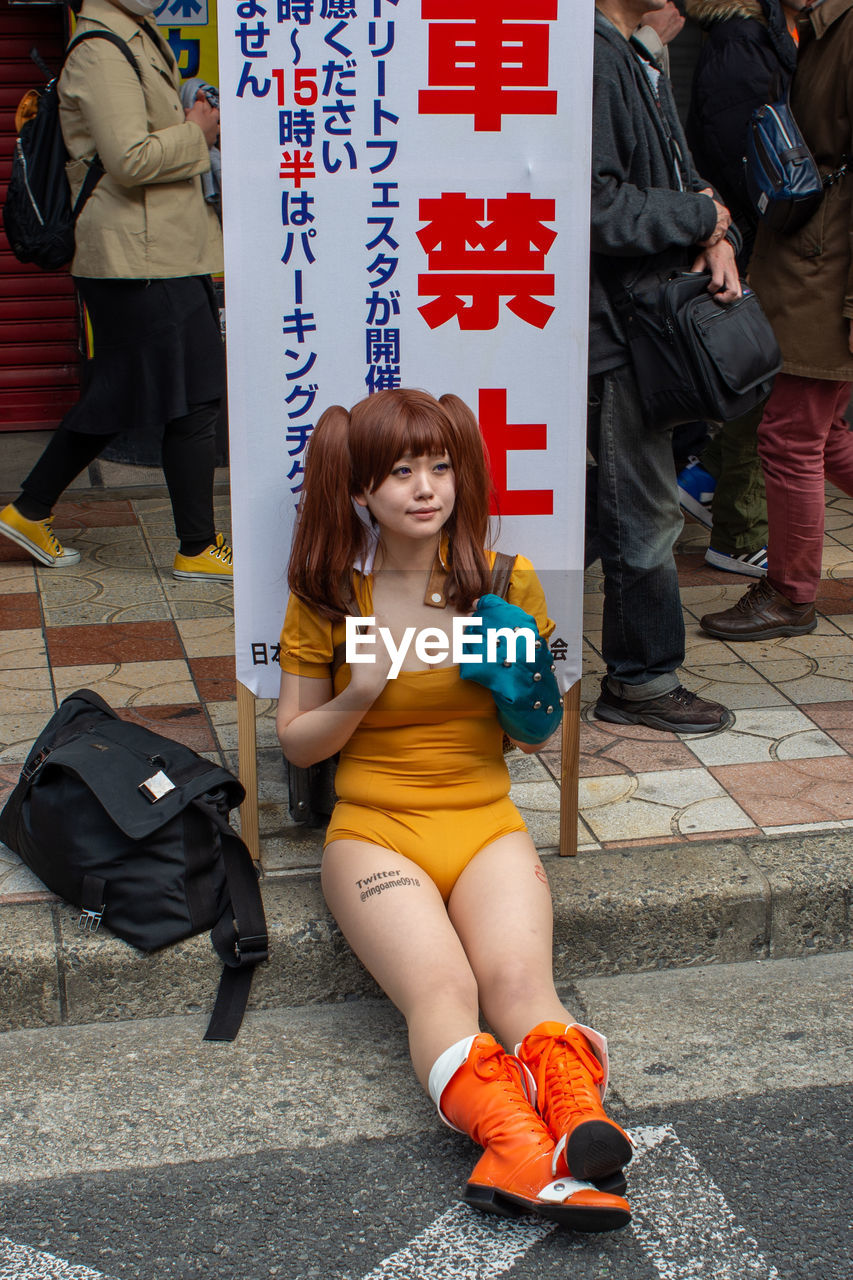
[
  {"x": 504, "y": 437},
  {"x": 486, "y": 250},
  {"x": 406, "y": 207},
  {"x": 488, "y": 58}
]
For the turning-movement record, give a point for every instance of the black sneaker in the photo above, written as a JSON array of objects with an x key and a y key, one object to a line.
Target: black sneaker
[{"x": 678, "y": 711}]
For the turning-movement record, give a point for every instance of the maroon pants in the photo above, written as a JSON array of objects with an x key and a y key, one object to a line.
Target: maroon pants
[{"x": 803, "y": 440}]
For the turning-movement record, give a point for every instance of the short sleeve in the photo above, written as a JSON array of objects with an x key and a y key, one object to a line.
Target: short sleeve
[
  {"x": 306, "y": 641},
  {"x": 525, "y": 590}
]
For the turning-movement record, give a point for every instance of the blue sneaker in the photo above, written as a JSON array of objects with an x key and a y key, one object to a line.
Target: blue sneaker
[
  {"x": 752, "y": 563},
  {"x": 695, "y": 491}
]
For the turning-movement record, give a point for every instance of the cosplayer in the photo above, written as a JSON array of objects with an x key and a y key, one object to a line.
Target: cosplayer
[{"x": 428, "y": 868}]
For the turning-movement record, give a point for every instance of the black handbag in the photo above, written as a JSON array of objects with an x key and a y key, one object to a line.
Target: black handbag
[
  {"x": 132, "y": 828},
  {"x": 696, "y": 359}
]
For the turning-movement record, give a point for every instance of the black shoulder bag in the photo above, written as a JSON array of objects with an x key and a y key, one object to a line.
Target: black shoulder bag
[
  {"x": 694, "y": 359},
  {"x": 132, "y": 828}
]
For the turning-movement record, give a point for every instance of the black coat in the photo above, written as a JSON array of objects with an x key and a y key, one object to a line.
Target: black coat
[{"x": 746, "y": 48}]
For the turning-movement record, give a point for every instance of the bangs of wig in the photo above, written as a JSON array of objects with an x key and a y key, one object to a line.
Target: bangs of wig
[{"x": 394, "y": 424}]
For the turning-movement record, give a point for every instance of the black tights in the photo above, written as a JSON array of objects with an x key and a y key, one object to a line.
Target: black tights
[{"x": 189, "y": 461}]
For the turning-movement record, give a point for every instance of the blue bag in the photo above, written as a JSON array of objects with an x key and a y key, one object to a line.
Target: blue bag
[
  {"x": 782, "y": 179},
  {"x": 526, "y": 693}
]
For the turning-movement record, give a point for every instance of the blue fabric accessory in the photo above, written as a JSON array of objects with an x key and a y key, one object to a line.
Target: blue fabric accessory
[{"x": 526, "y": 693}]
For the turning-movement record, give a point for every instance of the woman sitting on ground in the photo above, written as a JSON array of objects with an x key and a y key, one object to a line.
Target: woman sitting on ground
[{"x": 428, "y": 868}]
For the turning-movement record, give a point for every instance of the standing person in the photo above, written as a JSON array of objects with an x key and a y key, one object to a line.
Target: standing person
[
  {"x": 428, "y": 868},
  {"x": 748, "y": 50},
  {"x": 146, "y": 245},
  {"x": 805, "y": 283},
  {"x": 651, "y": 213}
]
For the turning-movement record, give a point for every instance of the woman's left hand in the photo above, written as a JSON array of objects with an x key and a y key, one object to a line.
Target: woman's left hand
[{"x": 206, "y": 117}]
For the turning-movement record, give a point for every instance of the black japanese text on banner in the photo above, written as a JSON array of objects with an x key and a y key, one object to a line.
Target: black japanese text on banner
[{"x": 406, "y": 203}]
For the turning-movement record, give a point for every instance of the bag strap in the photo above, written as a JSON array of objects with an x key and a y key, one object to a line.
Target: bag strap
[
  {"x": 502, "y": 572},
  {"x": 96, "y": 169},
  {"x": 240, "y": 935},
  {"x": 113, "y": 39}
]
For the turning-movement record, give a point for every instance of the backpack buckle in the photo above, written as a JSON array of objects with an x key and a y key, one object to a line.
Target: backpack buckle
[
  {"x": 157, "y": 786},
  {"x": 252, "y": 950}
]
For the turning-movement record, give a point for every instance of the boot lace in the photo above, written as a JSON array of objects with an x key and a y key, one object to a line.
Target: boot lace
[
  {"x": 567, "y": 1074},
  {"x": 509, "y": 1108}
]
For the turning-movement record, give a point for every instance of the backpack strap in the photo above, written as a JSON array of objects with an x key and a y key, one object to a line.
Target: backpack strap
[
  {"x": 113, "y": 39},
  {"x": 501, "y": 573},
  {"x": 96, "y": 169}
]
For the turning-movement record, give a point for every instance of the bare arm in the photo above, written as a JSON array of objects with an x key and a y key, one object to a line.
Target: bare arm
[{"x": 312, "y": 722}]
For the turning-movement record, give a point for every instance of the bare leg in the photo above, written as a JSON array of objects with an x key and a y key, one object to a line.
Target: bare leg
[
  {"x": 501, "y": 909},
  {"x": 402, "y": 935}
]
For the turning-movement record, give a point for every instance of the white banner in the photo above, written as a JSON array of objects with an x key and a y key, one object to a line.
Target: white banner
[{"x": 406, "y": 203}]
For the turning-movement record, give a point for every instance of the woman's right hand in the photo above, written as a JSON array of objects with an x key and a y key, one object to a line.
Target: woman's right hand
[
  {"x": 368, "y": 678},
  {"x": 206, "y": 117},
  {"x": 313, "y": 722}
]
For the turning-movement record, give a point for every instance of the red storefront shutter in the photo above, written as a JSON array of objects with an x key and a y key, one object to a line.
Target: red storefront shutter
[{"x": 39, "y": 328}]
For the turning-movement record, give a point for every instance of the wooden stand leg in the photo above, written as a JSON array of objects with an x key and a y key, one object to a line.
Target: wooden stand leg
[
  {"x": 247, "y": 748},
  {"x": 569, "y": 771}
]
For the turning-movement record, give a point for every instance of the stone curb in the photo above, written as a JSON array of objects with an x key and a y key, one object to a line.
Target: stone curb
[{"x": 620, "y": 911}]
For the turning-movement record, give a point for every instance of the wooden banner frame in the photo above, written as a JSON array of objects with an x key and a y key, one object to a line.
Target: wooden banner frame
[{"x": 247, "y": 753}]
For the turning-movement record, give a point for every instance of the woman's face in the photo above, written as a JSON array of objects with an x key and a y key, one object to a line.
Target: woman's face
[{"x": 415, "y": 500}]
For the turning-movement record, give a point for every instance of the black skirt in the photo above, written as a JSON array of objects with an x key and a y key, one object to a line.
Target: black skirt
[{"x": 157, "y": 353}]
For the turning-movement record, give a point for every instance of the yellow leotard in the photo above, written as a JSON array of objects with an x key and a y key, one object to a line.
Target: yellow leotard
[{"x": 424, "y": 773}]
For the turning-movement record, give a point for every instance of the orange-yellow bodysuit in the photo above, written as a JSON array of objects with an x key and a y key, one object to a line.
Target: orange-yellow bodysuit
[{"x": 424, "y": 773}]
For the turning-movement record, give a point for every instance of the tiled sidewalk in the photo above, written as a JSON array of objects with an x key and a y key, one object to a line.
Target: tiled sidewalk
[
  {"x": 784, "y": 766},
  {"x": 160, "y": 651}
]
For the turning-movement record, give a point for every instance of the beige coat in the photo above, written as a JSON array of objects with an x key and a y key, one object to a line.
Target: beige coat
[
  {"x": 147, "y": 218},
  {"x": 805, "y": 281}
]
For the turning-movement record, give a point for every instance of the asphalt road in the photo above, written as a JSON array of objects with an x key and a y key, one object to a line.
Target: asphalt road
[{"x": 133, "y": 1151}]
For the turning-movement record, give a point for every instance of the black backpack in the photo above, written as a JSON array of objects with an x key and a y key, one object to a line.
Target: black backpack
[
  {"x": 38, "y": 216},
  {"x": 132, "y": 828}
]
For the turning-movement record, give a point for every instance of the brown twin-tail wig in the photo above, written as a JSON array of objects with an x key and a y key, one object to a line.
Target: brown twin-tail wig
[{"x": 352, "y": 453}]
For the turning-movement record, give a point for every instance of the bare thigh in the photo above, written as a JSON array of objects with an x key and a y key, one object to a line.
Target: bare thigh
[
  {"x": 395, "y": 920},
  {"x": 502, "y": 912}
]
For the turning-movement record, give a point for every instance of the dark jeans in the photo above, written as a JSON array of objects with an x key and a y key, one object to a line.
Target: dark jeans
[
  {"x": 189, "y": 460},
  {"x": 639, "y": 520}
]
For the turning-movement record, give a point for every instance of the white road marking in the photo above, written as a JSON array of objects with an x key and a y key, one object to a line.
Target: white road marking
[
  {"x": 20, "y": 1262},
  {"x": 680, "y": 1218},
  {"x": 463, "y": 1244}
]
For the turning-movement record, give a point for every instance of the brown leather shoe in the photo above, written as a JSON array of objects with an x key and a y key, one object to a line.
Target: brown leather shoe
[{"x": 760, "y": 615}]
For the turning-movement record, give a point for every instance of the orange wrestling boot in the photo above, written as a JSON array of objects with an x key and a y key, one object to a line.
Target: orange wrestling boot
[
  {"x": 483, "y": 1091},
  {"x": 569, "y": 1065}
]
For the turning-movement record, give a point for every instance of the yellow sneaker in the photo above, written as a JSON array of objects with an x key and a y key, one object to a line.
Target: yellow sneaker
[
  {"x": 37, "y": 537},
  {"x": 214, "y": 562}
]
